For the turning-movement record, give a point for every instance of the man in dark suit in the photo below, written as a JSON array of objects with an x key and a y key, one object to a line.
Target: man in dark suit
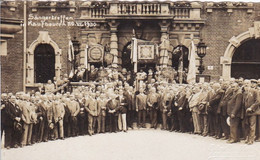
[
  {"x": 36, "y": 126},
  {"x": 122, "y": 111},
  {"x": 174, "y": 112},
  {"x": 221, "y": 125},
  {"x": 112, "y": 107},
  {"x": 234, "y": 110},
  {"x": 141, "y": 99},
  {"x": 130, "y": 105},
  {"x": 42, "y": 117},
  {"x": 13, "y": 115},
  {"x": 153, "y": 106},
  {"x": 214, "y": 111},
  {"x": 82, "y": 116},
  {"x": 4, "y": 121},
  {"x": 181, "y": 103}
]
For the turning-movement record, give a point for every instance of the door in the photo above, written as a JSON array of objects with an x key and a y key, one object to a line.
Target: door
[
  {"x": 246, "y": 60},
  {"x": 44, "y": 63}
]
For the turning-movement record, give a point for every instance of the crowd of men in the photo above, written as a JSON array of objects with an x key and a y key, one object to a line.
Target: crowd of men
[{"x": 229, "y": 110}]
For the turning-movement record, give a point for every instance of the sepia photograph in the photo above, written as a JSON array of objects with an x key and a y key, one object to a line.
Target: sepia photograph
[{"x": 130, "y": 79}]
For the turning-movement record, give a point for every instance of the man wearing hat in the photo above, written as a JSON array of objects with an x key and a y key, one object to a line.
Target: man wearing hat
[
  {"x": 254, "y": 110},
  {"x": 249, "y": 98}
]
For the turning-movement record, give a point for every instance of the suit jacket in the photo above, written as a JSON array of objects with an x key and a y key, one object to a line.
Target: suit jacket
[
  {"x": 141, "y": 101},
  {"x": 91, "y": 106},
  {"x": 181, "y": 102},
  {"x": 129, "y": 99},
  {"x": 102, "y": 106},
  {"x": 58, "y": 110},
  {"x": 214, "y": 103},
  {"x": 123, "y": 104},
  {"x": 73, "y": 108},
  {"x": 44, "y": 106},
  {"x": 28, "y": 112},
  {"x": 12, "y": 111},
  {"x": 235, "y": 105},
  {"x": 82, "y": 107},
  {"x": 249, "y": 97},
  {"x": 4, "y": 119},
  {"x": 153, "y": 99},
  {"x": 256, "y": 106},
  {"x": 166, "y": 103},
  {"x": 113, "y": 104},
  {"x": 223, "y": 104},
  {"x": 39, "y": 110}
]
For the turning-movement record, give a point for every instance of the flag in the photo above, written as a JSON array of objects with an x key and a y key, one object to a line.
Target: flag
[
  {"x": 191, "y": 77},
  {"x": 71, "y": 52},
  {"x": 86, "y": 57},
  {"x": 180, "y": 67},
  {"x": 134, "y": 50}
]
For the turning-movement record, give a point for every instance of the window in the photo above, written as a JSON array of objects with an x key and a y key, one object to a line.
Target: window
[{"x": 3, "y": 48}]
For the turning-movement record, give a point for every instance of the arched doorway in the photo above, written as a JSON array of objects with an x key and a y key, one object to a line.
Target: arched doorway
[
  {"x": 176, "y": 57},
  {"x": 44, "y": 63},
  {"x": 246, "y": 60}
]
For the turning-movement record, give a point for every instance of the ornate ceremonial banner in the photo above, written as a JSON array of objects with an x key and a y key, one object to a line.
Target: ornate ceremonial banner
[
  {"x": 96, "y": 53},
  {"x": 146, "y": 52}
]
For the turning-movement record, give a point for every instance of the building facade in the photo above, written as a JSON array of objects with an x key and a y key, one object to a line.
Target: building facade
[{"x": 35, "y": 37}]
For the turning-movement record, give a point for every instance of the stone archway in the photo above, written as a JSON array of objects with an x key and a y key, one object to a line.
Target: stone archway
[
  {"x": 43, "y": 38},
  {"x": 234, "y": 43}
]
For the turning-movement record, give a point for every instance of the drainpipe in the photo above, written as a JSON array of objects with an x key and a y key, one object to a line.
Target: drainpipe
[{"x": 24, "y": 44}]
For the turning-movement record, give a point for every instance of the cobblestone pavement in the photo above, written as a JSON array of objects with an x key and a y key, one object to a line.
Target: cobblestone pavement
[{"x": 140, "y": 144}]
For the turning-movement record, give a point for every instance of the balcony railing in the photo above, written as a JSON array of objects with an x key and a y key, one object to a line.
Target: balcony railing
[
  {"x": 97, "y": 12},
  {"x": 181, "y": 13},
  {"x": 138, "y": 9}
]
